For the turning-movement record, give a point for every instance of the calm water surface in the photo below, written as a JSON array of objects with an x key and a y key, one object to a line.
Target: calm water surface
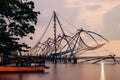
[{"x": 84, "y": 71}]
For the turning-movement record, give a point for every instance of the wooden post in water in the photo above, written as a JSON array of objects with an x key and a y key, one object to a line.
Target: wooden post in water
[{"x": 55, "y": 41}]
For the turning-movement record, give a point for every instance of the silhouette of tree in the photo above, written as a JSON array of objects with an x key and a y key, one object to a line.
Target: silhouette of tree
[{"x": 17, "y": 20}]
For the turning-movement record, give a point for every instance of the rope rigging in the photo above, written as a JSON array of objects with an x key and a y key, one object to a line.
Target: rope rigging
[{"x": 63, "y": 44}]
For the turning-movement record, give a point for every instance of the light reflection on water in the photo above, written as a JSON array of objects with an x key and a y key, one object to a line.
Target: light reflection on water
[
  {"x": 79, "y": 71},
  {"x": 102, "y": 77}
]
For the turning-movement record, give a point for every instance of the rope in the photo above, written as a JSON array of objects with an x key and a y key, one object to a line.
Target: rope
[
  {"x": 38, "y": 42},
  {"x": 108, "y": 51},
  {"x": 45, "y": 29},
  {"x": 67, "y": 21}
]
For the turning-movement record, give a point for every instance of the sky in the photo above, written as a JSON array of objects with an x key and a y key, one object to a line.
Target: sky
[{"x": 100, "y": 16}]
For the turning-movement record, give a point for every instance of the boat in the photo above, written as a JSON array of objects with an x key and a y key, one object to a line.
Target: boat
[
  {"x": 22, "y": 68},
  {"x": 23, "y": 64}
]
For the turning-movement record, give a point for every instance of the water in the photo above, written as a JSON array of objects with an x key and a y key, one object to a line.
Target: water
[{"x": 84, "y": 71}]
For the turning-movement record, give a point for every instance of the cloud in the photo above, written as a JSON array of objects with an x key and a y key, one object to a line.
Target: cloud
[
  {"x": 93, "y": 7},
  {"x": 93, "y": 15},
  {"x": 111, "y": 21}
]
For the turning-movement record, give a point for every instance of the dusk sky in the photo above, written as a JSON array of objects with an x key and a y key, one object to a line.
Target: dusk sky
[{"x": 100, "y": 16}]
